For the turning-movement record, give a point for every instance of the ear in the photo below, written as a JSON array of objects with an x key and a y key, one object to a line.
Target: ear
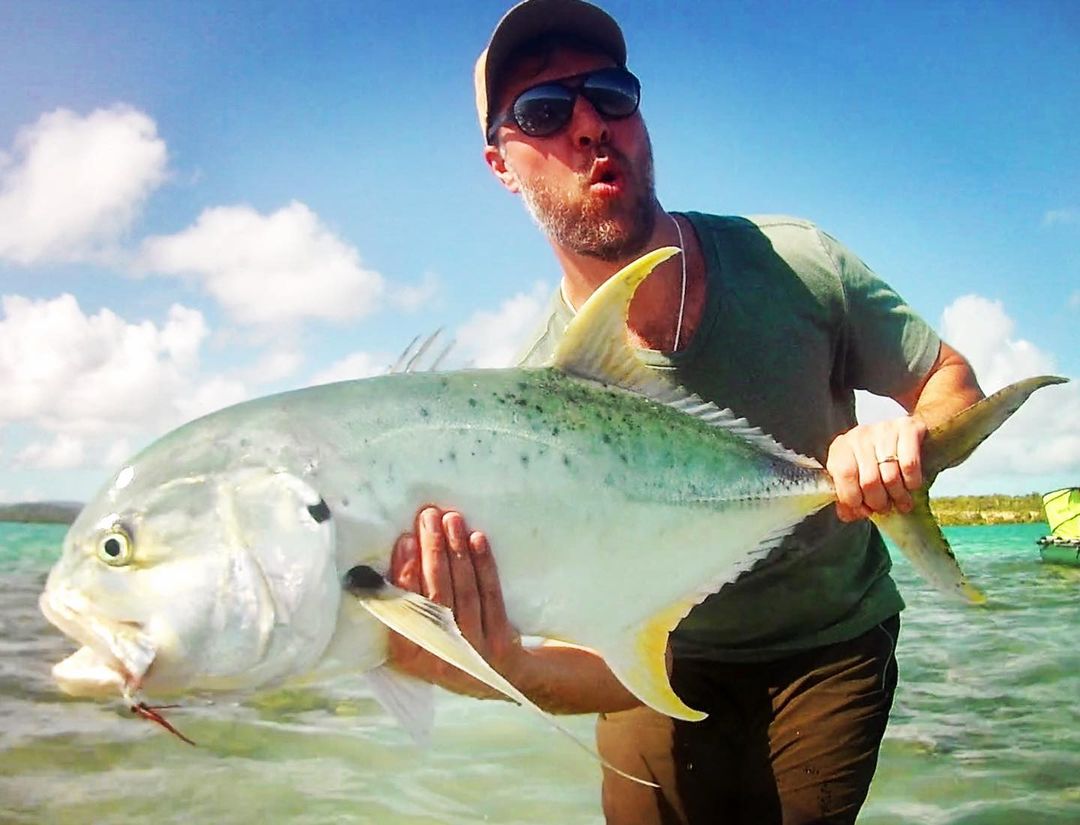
[{"x": 497, "y": 163}]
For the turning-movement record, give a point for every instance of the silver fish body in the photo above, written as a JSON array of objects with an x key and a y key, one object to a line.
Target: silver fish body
[{"x": 615, "y": 502}]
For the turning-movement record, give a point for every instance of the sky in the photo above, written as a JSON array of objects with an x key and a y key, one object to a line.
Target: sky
[{"x": 203, "y": 202}]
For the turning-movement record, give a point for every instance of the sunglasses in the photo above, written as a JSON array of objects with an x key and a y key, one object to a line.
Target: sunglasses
[{"x": 545, "y": 109}]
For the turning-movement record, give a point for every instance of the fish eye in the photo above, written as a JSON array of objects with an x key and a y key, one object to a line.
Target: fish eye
[{"x": 115, "y": 548}]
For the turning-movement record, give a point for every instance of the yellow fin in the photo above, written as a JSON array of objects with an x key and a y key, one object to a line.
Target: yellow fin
[
  {"x": 595, "y": 343},
  {"x": 920, "y": 538},
  {"x": 641, "y": 665},
  {"x": 433, "y": 628},
  {"x": 949, "y": 443}
]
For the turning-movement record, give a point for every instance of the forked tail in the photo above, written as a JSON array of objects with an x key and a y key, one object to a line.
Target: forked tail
[{"x": 917, "y": 533}]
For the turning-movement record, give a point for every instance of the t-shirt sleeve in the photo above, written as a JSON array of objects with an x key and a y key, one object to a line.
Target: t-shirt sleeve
[{"x": 887, "y": 348}]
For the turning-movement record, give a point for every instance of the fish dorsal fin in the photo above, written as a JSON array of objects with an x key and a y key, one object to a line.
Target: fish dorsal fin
[{"x": 596, "y": 346}]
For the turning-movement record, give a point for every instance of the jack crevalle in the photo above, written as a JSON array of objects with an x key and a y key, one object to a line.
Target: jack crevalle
[{"x": 247, "y": 549}]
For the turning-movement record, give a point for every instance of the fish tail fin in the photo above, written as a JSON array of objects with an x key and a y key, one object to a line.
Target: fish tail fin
[
  {"x": 917, "y": 533},
  {"x": 950, "y": 443},
  {"x": 919, "y": 537}
]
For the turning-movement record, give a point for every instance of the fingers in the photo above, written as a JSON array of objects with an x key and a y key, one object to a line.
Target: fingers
[
  {"x": 909, "y": 452},
  {"x": 466, "y": 598},
  {"x": 446, "y": 563},
  {"x": 436, "y": 578},
  {"x": 497, "y": 629},
  {"x": 843, "y": 465},
  {"x": 405, "y": 573},
  {"x": 874, "y": 467}
]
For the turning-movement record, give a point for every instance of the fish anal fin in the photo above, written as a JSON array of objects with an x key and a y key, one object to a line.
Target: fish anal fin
[
  {"x": 640, "y": 662},
  {"x": 432, "y": 627},
  {"x": 407, "y": 699},
  {"x": 919, "y": 537}
]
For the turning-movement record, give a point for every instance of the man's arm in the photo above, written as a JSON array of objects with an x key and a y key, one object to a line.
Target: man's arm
[
  {"x": 874, "y": 466},
  {"x": 448, "y": 564}
]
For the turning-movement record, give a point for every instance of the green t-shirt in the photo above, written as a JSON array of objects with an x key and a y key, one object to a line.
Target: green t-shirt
[{"x": 793, "y": 323}]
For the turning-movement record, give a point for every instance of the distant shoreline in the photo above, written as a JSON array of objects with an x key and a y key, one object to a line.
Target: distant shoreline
[
  {"x": 40, "y": 512},
  {"x": 950, "y": 510},
  {"x": 994, "y": 509}
]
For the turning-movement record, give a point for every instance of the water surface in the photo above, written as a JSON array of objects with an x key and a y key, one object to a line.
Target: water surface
[{"x": 985, "y": 728}]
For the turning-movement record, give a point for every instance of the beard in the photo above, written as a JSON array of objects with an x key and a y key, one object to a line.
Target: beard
[{"x": 610, "y": 229}]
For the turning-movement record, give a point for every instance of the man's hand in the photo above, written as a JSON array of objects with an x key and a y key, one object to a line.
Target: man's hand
[
  {"x": 445, "y": 562},
  {"x": 875, "y": 466}
]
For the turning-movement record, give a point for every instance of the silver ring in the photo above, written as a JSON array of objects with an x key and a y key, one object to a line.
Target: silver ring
[{"x": 888, "y": 459}]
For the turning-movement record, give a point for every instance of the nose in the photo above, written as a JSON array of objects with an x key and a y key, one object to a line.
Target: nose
[{"x": 587, "y": 126}]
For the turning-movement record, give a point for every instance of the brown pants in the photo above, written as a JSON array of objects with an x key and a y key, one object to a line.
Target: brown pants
[{"x": 793, "y": 741}]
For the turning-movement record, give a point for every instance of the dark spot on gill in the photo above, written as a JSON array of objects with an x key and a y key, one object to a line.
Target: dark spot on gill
[
  {"x": 363, "y": 581},
  {"x": 320, "y": 512}
]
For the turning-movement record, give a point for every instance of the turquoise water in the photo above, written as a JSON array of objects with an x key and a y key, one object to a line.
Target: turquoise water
[{"x": 985, "y": 728}]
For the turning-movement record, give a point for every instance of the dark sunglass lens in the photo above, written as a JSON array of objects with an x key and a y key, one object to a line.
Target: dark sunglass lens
[
  {"x": 614, "y": 92},
  {"x": 543, "y": 110}
]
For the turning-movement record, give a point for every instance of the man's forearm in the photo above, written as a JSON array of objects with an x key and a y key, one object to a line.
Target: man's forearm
[
  {"x": 950, "y": 388},
  {"x": 566, "y": 679}
]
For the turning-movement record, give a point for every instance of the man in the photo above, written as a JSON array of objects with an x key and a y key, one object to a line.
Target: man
[{"x": 794, "y": 663}]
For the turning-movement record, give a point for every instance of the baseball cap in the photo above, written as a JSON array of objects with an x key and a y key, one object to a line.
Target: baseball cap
[{"x": 531, "y": 19}]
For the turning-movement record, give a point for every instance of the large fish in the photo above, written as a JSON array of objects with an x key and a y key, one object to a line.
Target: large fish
[{"x": 247, "y": 549}]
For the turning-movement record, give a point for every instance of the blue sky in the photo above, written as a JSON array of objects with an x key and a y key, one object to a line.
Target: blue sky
[{"x": 203, "y": 202}]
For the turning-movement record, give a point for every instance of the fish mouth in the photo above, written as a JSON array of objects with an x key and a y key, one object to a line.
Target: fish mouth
[{"x": 115, "y": 655}]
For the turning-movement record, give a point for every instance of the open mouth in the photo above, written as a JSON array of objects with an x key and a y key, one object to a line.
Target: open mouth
[
  {"x": 604, "y": 173},
  {"x": 115, "y": 654}
]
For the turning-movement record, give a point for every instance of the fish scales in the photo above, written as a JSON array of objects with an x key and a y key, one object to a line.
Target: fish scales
[{"x": 563, "y": 474}]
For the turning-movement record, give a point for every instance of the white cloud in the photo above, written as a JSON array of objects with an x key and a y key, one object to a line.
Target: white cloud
[
  {"x": 208, "y": 396},
  {"x": 356, "y": 365},
  {"x": 1058, "y": 217},
  {"x": 86, "y": 374},
  {"x": 274, "y": 366},
  {"x": 1074, "y": 300},
  {"x": 1042, "y": 439},
  {"x": 986, "y": 335},
  {"x": 86, "y": 387},
  {"x": 116, "y": 453},
  {"x": 268, "y": 269},
  {"x": 1040, "y": 445},
  {"x": 494, "y": 339},
  {"x": 64, "y": 452},
  {"x": 410, "y": 298},
  {"x": 72, "y": 185}
]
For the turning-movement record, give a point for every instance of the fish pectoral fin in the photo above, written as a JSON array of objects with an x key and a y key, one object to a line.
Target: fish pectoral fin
[
  {"x": 919, "y": 537},
  {"x": 432, "y": 627},
  {"x": 640, "y": 663},
  {"x": 407, "y": 699}
]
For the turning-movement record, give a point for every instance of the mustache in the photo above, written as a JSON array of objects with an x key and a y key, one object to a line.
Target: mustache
[{"x": 606, "y": 153}]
